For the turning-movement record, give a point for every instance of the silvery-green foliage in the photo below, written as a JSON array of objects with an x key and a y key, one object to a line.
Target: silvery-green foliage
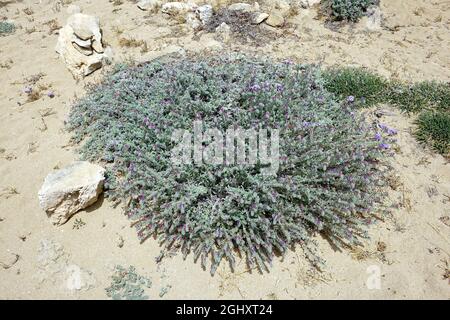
[
  {"x": 328, "y": 181},
  {"x": 6, "y": 28},
  {"x": 127, "y": 284},
  {"x": 350, "y": 10}
]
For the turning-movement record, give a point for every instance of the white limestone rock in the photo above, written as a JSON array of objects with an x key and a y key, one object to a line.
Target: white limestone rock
[
  {"x": 275, "y": 19},
  {"x": 223, "y": 32},
  {"x": 259, "y": 17},
  {"x": 69, "y": 190},
  {"x": 245, "y": 7},
  {"x": 80, "y": 45},
  {"x": 374, "y": 19},
  {"x": 204, "y": 13},
  {"x": 149, "y": 5},
  {"x": 178, "y": 8},
  {"x": 309, "y": 3},
  {"x": 193, "y": 21}
]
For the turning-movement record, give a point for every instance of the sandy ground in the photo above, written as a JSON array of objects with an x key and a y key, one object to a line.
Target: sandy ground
[{"x": 410, "y": 249}]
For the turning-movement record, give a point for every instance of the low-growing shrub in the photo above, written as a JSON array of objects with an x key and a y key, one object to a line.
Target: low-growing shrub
[
  {"x": 6, "y": 28},
  {"x": 420, "y": 96},
  {"x": 127, "y": 284},
  {"x": 328, "y": 179},
  {"x": 433, "y": 128},
  {"x": 348, "y": 10},
  {"x": 367, "y": 88}
]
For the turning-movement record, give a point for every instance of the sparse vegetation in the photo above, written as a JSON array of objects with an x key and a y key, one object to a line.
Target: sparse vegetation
[
  {"x": 52, "y": 25},
  {"x": 433, "y": 128},
  {"x": 128, "y": 285},
  {"x": 6, "y": 28},
  {"x": 366, "y": 87},
  {"x": 28, "y": 11},
  {"x": 35, "y": 93},
  {"x": 78, "y": 224},
  {"x": 347, "y": 10},
  {"x": 133, "y": 43},
  {"x": 8, "y": 192}
]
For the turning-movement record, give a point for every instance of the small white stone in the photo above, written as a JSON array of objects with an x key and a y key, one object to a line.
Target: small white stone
[
  {"x": 193, "y": 21},
  {"x": 240, "y": 7},
  {"x": 8, "y": 259},
  {"x": 205, "y": 13},
  {"x": 149, "y": 5},
  {"x": 178, "y": 8},
  {"x": 108, "y": 55},
  {"x": 374, "y": 17},
  {"x": 260, "y": 17},
  {"x": 223, "y": 32},
  {"x": 275, "y": 19}
]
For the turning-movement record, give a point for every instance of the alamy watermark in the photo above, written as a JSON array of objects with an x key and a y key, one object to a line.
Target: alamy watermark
[{"x": 235, "y": 146}]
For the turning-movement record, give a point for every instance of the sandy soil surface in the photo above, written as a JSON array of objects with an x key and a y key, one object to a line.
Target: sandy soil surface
[{"x": 410, "y": 249}]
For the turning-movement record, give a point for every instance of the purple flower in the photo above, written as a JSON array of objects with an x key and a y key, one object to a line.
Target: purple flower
[
  {"x": 384, "y": 146},
  {"x": 50, "y": 94},
  {"x": 391, "y": 132},
  {"x": 377, "y": 136},
  {"x": 279, "y": 87},
  {"x": 255, "y": 87},
  {"x": 28, "y": 90},
  {"x": 350, "y": 99}
]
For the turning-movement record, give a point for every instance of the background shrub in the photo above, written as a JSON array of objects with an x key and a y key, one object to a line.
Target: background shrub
[
  {"x": 328, "y": 180},
  {"x": 433, "y": 128},
  {"x": 349, "y": 10},
  {"x": 6, "y": 28},
  {"x": 429, "y": 98},
  {"x": 367, "y": 88},
  {"x": 420, "y": 96}
]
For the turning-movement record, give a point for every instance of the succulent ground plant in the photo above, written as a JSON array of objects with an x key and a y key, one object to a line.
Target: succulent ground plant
[{"x": 329, "y": 177}]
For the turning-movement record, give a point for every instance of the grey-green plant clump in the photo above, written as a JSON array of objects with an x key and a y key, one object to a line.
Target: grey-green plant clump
[
  {"x": 6, "y": 28},
  {"x": 328, "y": 181},
  {"x": 347, "y": 10},
  {"x": 127, "y": 284}
]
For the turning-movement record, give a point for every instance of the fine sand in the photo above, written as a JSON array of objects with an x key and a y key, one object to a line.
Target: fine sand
[{"x": 410, "y": 249}]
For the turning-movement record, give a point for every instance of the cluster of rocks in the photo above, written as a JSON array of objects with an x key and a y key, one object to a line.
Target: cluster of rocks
[
  {"x": 80, "y": 44},
  {"x": 197, "y": 16}
]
